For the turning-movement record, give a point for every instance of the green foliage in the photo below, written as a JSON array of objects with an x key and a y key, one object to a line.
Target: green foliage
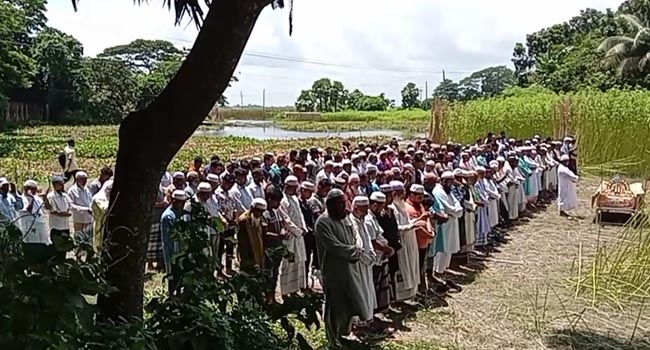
[
  {"x": 144, "y": 55},
  {"x": 60, "y": 73},
  {"x": 45, "y": 296},
  {"x": 331, "y": 96},
  {"x": 19, "y": 19},
  {"x": 112, "y": 90},
  {"x": 488, "y": 82},
  {"x": 448, "y": 90},
  {"x": 410, "y": 96},
  {"x": 565, "y": 57}
]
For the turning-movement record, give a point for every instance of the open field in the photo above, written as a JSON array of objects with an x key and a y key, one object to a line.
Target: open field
[{"x": 31, "y": 152}]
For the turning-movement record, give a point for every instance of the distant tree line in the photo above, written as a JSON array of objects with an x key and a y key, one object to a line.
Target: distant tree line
[
  {"x": 326, "y": 95},
  {"x": 50, "y": 64}
]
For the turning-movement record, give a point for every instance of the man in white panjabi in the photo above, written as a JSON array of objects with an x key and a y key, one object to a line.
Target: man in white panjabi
[
  {"x": 360, "y": 206},
  {"x": 493, "y": 192},
  {"x": 31, "y": 218},
  {"x": 408, "y": 275},
  {"x": 449, "y": 229},
  {"x": 293, "y": 273},
  {"x": 567, "y": 192},
  {"x": 82, "y": 214}
]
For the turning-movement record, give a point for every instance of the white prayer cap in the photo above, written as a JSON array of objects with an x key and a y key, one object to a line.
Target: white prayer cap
[
  {"x": 419, "y": 151},
  {"x": 204, "y": 187},
  {"x": 411, "y": 149},
  {"x": 397, "y": 185},
  {"x": 81, "y": 175},
  {"x": 371, "y": 167},
  {"x": 568, "y": 139},
  {"x": 418, "y": 189},
  {"x": 458, "y": 172},
  {"x": 470, "y": 173},
  {"x": 462, "y": 154},
  {"x": 329, "y": 163},
  {"x": 564, "y": 158},
  {"x": 308, "y": 185},
  {"x": 431, "y": 163},
  {"x": 480, "y": 169},
  {"x": 512, "y": 153},
  {"x": 543, "y": 148},
  {"x": 382, "y": 152},
  {"x": 378, "y": 197},
  {"x": 354, "y": 157},
  {"x": 340, "y": 180},
  {"x": 362, "y": 154},
  {"x": 179, "y": 195},
  {"x": 259, "y": 203},
  {"x": 473, "y": 148},
  {"x": 360, "y": 201},
  {"x": 536, "y": 137},
  {"x": 511, "y": 140},
  {"x": 3, "y": 181},
  {"x": 447, "y": 175},
  {"x": 451, "y": 154},
  {"x": 192, "y": 174},
  {"x": 494, "y": 164},
  {"x": 409, "y": 166},
  {"x": 527, "y": 142},
  {"x": 396, "y": 170},
  {"x": 353, "y": 177},
  {"x": 31, "y": 183},
  {"x": 178, "y": 175},
  {"x": 501, "y": 159},
  {"x": 368, "y": 150},
  {"x": 257, "y": 159},
  {"x": 386, "y": 188},
  {"x": 337, "y": 165},
  {"x": 213, "y": 178},
  {"x": 347, "y": 162},
  {"x": 269, "y": 154},
  {"x": 291, "y": 181}
]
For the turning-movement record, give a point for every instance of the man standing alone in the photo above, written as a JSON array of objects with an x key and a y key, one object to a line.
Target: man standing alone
[{"x": 339, "y": 255}]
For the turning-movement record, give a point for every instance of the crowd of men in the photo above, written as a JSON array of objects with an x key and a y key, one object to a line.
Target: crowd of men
[{"x": 375, "y": 224}]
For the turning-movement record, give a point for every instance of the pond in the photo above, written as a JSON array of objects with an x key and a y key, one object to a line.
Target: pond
[{"x": 265, "y": 130}]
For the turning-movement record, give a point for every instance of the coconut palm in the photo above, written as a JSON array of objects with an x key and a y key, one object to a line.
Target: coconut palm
[{"x": 628, "y": 55}]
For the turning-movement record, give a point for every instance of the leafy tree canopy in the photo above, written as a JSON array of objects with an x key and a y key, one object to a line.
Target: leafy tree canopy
[
  {"x": 410, "y": 96},
  {"x": 143, "y": 54}
]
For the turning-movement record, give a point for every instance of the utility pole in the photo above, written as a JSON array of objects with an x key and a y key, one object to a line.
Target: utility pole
[
  {"x": 264, "y": 100},
  {"x": 443, "y": 75},
  {"x": 241, "y": 96},
  {"x": 426, "y": 90},
  {"x": 420, "y": 94}
]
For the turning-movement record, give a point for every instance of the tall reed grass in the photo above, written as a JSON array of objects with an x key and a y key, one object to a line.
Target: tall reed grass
[
  {"x": 612, "y": 128},
  {"x": 620, "y": 270}
]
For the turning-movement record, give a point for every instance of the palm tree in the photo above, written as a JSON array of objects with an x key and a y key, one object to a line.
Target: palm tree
[
  {"x": 149, "y": 138},
  {"x": 629, "y": 56}
]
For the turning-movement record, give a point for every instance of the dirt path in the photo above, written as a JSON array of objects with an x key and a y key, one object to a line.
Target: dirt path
[{"x": 522, "y": 299}]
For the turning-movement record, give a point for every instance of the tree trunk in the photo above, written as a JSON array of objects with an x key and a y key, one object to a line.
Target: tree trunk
[{"x": 149, "y": 139}]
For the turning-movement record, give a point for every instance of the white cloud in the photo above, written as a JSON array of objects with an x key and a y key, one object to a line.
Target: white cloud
[{"x": 420, "y": 38}]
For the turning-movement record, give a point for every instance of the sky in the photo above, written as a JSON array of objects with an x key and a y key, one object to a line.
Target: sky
[{"x": 371, "y": 45}]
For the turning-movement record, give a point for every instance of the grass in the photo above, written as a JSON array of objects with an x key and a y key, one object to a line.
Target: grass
[
  {"x": 31, "y": 152},
  {"x": 620, "y": 271}
]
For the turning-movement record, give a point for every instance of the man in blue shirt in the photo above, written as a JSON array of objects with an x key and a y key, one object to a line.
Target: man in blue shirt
[
  {"x": 170, "y": 216},
  {"x": 10, "y": 203}
]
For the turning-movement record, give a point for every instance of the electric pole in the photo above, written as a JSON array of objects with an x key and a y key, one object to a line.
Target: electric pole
[
  {"x": 426, "y": 90},
  {"x": 241, "y": 96},
  {"x": 443, "y": 75},
  {"x": 264, "y": 100}
]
